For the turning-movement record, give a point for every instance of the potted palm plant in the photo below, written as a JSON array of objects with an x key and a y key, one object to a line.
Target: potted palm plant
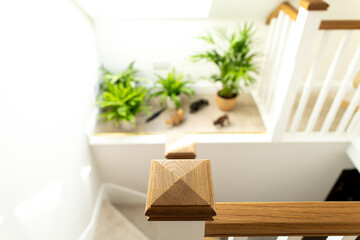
[
  {"x": 235, "y": 59},
  {"x": 122, "y": 102},
  {"x": 170, "y": 88}
]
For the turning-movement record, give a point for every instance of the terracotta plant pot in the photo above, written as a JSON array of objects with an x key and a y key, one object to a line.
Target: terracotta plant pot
[{"x": 226, "y": 104}]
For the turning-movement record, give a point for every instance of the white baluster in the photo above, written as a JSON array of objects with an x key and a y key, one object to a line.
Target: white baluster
[
  {"x": 349, "y": 237},
  {"x": 341, "y": 237},
  {"x": 349, "y": 77},
  {"x": 296, "y": 54},
  {"x": 327, "y": 83},
  {"x": 263, "y": 80},
  {"x": 349, "y": 112},
  {"x": 334, "y": 237},
  {"x": 278, "y": 57},
  {"x": 295, "y": 238},
  {"x": 272, "y": 55},
  {"x": 354, "y": 127},
  {"x": 308, "y": 83}
]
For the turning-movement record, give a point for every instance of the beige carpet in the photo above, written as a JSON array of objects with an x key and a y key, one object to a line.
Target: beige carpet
[
  {"x": 112, "y": 225},
  {"x": 135, "y": 214}
]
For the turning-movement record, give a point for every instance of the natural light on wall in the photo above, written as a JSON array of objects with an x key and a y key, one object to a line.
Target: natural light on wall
[
  {"x": 39, "y": 202},
  {"x": 149, "y": 9}
]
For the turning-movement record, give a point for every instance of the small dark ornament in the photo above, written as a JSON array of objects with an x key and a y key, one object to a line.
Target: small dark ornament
[
  {"x": 222, "y": 121},
  {"x": 195, "y": 106},
  {"x": 155, "y": 115}
]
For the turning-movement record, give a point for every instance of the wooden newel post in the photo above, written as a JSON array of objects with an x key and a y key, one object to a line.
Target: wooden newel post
[{"x": 181, "y": 197}]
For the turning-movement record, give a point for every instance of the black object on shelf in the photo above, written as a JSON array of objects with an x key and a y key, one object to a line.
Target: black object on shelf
[
  {"x": 155, "y": 115},
  {"x": 195, "y": 106}
]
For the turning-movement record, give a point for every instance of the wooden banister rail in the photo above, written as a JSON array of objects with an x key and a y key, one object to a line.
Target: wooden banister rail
[
  {"x": 314, "y": 5},
  {"x": 285, "y": 219},
  {"x": 340, "y": 25},
  {"x": 287, "y": 8}
]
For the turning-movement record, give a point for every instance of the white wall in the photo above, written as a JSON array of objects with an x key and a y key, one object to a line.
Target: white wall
[
  {"x": 172, "y": 41},
  {"x": 48, "y": 69},
  {"x": 241, "y": 171}
]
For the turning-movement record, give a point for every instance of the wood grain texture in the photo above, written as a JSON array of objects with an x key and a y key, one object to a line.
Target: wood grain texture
[
  {"x": 285, "y": 219},
  {"x": 289, "y": 9},
  {"x": 180, "y": 190},
  {"x": 340, "y": 25},
  {"x": 180, "y": 146},
  {"x": 314, "y": 5}
]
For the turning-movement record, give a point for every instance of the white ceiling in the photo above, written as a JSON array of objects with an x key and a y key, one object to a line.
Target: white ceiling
[
  {"x": 220, "y": 9},
  {"x": 260, "y": 9}
]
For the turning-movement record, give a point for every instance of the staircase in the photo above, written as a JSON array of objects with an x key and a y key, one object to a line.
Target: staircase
[{"x": 181, "y": 199}]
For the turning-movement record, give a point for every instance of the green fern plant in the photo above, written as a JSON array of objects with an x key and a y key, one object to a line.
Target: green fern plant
[
  {"x": 171, "y": 86},
  {"x": 127, "y": 77},
  {"x": 122, "y": 102},
  {"x": 235, "y": 61}
]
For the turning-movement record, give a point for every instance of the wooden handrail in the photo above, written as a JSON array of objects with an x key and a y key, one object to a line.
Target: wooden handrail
[
  {"x": 292, "y": 12},
  {"x": 289, "y": 9},
  {"x": 285, "y": 219},
  {"x": 340, "y": 25},
  {"x": 314, "y": 5}
]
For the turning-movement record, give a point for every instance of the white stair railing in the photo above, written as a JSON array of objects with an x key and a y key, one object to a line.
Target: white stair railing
[
  {"x": 287, "y": 53},
  {"x": 296, "y": 54}
]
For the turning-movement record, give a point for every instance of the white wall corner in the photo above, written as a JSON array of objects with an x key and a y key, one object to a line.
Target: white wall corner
[{"x": 353, "y": 153}]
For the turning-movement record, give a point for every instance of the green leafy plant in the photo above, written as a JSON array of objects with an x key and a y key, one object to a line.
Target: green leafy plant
[
  {"x": 171, "y": 86},
  {"x": 127, "y": 76},
  {"x": 233, "y": 55},
  {"x": 122, "y": 102}
]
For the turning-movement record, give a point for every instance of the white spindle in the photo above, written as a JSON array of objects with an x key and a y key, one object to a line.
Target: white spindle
[
  {"x": 237, "y": 238},
  {"x": 327, "y": 83},
  {"x": 349, "y": 112},
  {"x": 296, "y": 54},
  {"x": 295, "y": 238},
  {"x": 262, "y": 83},
  {"x": 349, "y": 237},
  {"x": 308, "y": 83},
  {"x": 341, "y": 237},
  {"x": 354, "y": 127},
  {"x": 278, "y": 58},
  {"x": 335, "y": 238},
  {"x": 349, "y": 77},
  {"x": 274, "y": 46}
]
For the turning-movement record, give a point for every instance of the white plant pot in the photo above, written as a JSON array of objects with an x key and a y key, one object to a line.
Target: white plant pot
[
  {"x": 170, "y": 104},
  {"x": 126, "y": 126}
]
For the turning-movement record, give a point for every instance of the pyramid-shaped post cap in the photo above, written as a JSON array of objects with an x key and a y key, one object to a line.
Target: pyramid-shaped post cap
[
  {"x": 180, "y": 146},
  {"x": 180, "y": 190}
]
